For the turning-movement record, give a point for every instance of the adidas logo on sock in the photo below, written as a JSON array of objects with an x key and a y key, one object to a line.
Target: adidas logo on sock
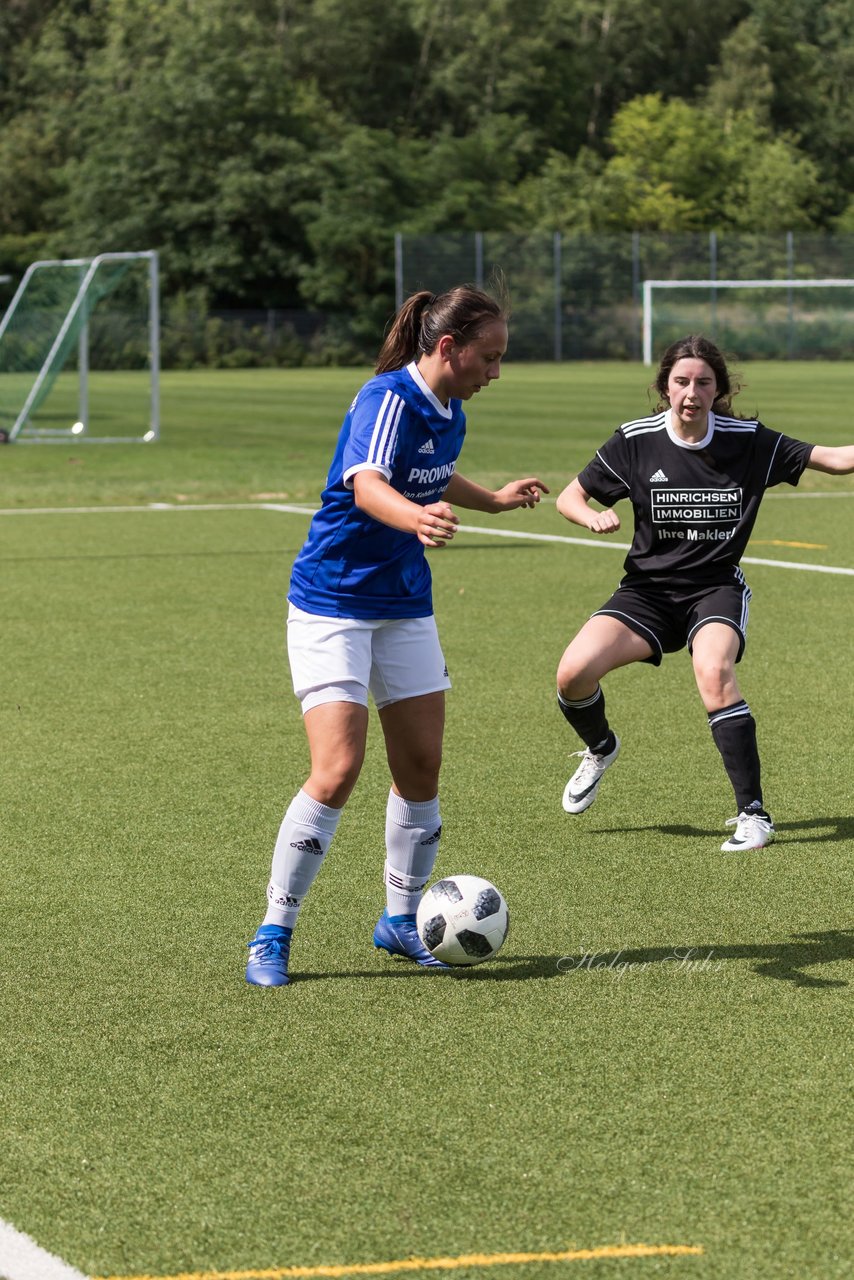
[
  {"x": 427, "y": 448},
  {"x": 311, "y": 845},
  {"x": 282, "y": 900},
  {"x": 434, "y": 839},
  {"x": 658, "y": 478}
]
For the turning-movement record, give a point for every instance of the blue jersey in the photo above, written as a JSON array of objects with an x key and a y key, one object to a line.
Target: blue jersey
[{"x": 352, "y": 566}]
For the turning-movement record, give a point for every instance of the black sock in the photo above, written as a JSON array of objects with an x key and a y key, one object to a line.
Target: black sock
[
  {"x": 587, "y": 717},
  {"x": 734, "y": 731}
]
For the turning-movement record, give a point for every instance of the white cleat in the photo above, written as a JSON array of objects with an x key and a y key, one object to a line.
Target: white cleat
[
  {"x": 580, "y": 792},
  {"x": 752, "y": 831}
]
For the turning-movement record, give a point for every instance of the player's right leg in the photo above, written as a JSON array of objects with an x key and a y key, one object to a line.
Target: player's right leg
[
  {"x": 336, "y": 733},
  {"x": 603, "y": 644},
  {"x": 330, "y": 663}
]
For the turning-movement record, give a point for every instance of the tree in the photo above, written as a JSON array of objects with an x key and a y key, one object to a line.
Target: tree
[{"x": 184, "y": 146}]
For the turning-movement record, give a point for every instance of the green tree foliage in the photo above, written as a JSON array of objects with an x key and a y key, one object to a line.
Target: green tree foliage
[
  {"x": 271, "y": 148},
  {"x": 183, "y": 143},
  {"x": 678, "y": 167}
]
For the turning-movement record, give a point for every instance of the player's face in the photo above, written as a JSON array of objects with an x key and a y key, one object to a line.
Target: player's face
[
  {"x": 691, "y": 390},
  {"x": 478, "y": 363}
]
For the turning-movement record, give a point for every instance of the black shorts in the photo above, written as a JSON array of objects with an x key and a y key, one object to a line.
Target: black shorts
[{"x": 669, "y": 615}]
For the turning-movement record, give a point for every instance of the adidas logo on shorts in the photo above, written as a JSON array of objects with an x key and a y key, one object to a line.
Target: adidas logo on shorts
[{"x": 427, "y": 448}]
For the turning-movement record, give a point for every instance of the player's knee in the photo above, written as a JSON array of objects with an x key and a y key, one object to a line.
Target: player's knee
[
  {"x": 417, "y": 774},
  {"x": 332, "y": 781},
  {"x": 573, "y": 678},
  {"x": 715, "y": 679}
]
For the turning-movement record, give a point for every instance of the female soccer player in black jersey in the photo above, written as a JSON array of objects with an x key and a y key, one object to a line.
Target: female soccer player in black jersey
[{"x": 695, "y": 476}]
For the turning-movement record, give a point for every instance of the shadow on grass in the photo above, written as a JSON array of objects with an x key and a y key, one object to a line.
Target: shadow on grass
[
  {"x": 818, "y": 831},
  {"x": 785, "y": 961}
]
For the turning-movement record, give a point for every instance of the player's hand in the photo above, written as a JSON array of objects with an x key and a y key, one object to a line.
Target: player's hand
[
  {"x": 604, "y": 522},
  {"x": 437, "y": 524},
  {"x": 520, "y": 493}
]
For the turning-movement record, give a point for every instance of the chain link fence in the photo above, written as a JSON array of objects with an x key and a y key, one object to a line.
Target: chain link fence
[{"x": 580, "y": 297}]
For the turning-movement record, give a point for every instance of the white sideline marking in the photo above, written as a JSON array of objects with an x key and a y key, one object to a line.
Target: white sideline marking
[
  {"x": 22, "y": 1259},
  {"x": 295, "y": 509},
  {"x": 624, "y": 546}
]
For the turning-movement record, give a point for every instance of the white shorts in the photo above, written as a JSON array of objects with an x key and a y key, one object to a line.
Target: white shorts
[{"x": 340, "y": 659}]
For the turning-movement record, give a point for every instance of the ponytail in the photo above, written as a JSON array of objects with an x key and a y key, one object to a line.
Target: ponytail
[{"x": 402, "y": 341}]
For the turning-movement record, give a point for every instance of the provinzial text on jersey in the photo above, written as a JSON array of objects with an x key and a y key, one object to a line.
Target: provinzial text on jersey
[
  {"x": 682, "y": 505},
  {"x": 429, "y": 475}
]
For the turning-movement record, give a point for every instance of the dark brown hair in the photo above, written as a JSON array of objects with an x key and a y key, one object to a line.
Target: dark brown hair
[
  {"x": 696, "y": 347},
  {"x": 425, "y": 317}
]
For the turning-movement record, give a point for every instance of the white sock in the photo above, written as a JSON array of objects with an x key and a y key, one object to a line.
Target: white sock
[
  {"x": 412, "y": 832},
  {"x": 304, "y": 838}
]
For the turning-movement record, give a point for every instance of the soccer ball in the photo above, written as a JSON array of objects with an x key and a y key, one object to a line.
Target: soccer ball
[{"x": 462, "y": 920}]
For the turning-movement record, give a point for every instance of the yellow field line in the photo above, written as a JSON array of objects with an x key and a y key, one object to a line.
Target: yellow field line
[
  {"x": 430, "y": 1264},
  {"x": 780, "y": 542}
]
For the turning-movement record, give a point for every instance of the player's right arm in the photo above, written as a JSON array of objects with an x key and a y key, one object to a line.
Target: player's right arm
[
  {"x": 573, "y": 505},
  {"x": 433, "y": 525}
]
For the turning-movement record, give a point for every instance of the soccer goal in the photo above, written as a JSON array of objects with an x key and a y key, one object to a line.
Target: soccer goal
[
  {"x": 68, "y": 317},
  {"x": 774, "y": 317}
]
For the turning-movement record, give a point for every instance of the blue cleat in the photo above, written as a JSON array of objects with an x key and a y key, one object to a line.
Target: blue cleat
[
  {"x": 268, "y": 956},
  {"x": 399, "y": 937}
]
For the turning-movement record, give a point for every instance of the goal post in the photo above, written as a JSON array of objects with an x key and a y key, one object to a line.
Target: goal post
[
  {"x": 48, "y": 325},
  {"x": 651, "y": 286}
]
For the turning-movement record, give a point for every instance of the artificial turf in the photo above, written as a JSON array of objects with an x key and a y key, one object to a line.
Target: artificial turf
[{"x": 660, "y": 1052}]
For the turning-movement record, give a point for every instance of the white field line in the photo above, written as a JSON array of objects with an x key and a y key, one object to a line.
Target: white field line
[
  {"x": 295, "y": 509},
  {"x": 22, "y": 1259}
]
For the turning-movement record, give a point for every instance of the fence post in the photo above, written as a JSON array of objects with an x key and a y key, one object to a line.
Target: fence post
[
  {"x": 636, "y": 281},
  {"x": 713, "y": 275},
  {"x": 790, "y": 271},
  {"x": 398, "y": 270},
  {"x": 478, "y": 259},
  {"x": 558, "y": 298}
]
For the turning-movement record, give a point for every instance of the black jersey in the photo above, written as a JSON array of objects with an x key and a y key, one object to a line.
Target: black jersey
[{"x": 695, "y": 505}]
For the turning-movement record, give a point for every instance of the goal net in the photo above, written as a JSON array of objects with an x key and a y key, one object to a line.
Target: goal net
[
  {"x": 79, "y": 351},
  {"x": 760, "y": 319}
]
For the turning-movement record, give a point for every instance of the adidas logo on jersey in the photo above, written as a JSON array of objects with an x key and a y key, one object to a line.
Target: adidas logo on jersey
[
  {"x": 427, "y": 448},
  {"x": 658, "y": 478}
]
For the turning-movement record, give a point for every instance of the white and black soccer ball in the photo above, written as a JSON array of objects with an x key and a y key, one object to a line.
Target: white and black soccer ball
[{"x": 462, "y": 920}]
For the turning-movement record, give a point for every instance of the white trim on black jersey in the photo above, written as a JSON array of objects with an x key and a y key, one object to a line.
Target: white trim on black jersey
[
  {"x": 642, "y": 426},
  {"x": 614, "y": 473}
]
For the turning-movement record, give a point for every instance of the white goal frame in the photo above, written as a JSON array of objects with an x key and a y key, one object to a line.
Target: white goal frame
[
  {"x": 650, "y": 285},
  {"x": 89, "y": 268}
]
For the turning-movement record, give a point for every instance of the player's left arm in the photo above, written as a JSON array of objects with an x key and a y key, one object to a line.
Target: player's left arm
[
  {"x": 517, "y": 493},
  {"x": 837, "y": 461}
]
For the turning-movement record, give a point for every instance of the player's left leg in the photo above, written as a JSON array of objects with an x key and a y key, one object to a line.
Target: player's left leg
[
  {"x": 413, "y": 729},
  {"x": 715, "y": 648}
]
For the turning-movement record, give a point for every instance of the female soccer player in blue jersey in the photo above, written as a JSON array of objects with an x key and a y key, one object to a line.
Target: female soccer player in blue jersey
[
  {"x": 695, "y": 476},
  {"x": 361, "y": 612}
]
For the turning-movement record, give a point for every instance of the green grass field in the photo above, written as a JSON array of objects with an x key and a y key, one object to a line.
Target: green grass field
[{"x": 661, "y": 1053}]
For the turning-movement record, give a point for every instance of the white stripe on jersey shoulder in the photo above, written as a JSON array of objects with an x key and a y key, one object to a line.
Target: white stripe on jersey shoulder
[
  {"x": 640, "y": 426},
  {"x": 445, "y": 409},
  {"x": 734, "y": 424},
  {"x": 384, "y": 434}
]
